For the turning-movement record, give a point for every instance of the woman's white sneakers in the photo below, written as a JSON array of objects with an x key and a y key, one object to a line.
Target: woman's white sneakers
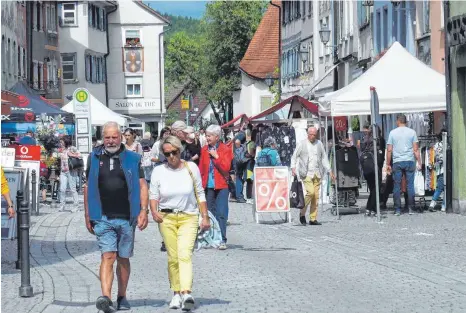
[
  {"x": 176, "y": 302},
  {"x": 187, "y": 302}
]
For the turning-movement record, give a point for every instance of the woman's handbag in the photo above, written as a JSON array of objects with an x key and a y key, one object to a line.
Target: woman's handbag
[{"x": 75, "y": 163}]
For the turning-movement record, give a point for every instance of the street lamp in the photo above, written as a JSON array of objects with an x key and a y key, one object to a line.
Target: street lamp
[
  {"x": 324, "y": 34},
  {"x": 304, "y": 53},
  {"x": 395, "y": 3},
  {"x": 269, "y": 80},
  {"x": 367, "y": 3}
]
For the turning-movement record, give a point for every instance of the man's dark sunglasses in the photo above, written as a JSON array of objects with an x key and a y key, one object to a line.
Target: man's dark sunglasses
[{"x": 171, "y": 153}]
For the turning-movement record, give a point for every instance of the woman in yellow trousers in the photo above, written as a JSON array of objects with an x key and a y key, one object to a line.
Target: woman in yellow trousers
[{"x": 176, "y": 197}]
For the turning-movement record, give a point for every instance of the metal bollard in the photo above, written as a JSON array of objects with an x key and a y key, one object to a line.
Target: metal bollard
[
  {"x": 35, "y": 207},
  {"x": 25, "y": 290},
  {"x": 19, "y": 199}
]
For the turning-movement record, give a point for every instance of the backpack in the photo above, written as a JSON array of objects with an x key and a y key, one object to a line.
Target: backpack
[
  {"x": 264, "y": 159},
  {"x": 367, "y": 162}
]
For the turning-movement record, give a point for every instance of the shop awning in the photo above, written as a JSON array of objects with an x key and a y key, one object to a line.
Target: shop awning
[
  {"x": 100, "y": 114},
  {"x": 305, "y": 104},
  {"x": 403, "y": 84},
  {"x": 233, "y": 121},
  {"x": 28, "y": 105}
]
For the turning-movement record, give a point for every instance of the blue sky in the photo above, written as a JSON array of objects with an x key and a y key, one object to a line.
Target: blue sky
[{"x": 193, "y": 9}]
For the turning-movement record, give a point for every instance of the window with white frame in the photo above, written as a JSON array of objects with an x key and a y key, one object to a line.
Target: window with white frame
[
  {"x": 425, "y": 18},
  {"x": 133, "y": 87},
  {"x": 133, "y": 37},
  {"x": 39, "y": 16},
  {"x": 13, "y": 53},
  {"x": 96, "y": 17},
  {"x": 68, "y": 62},
  {"x": 8, "y": 52},
  {"x": 40, "y": 74},
  {"x": 24, "y": 62},
  {"x": 69, "y": 16},
  {"x": 18, "y": 56},
  {"x": 266, "y": 102},
  {"x": 310, "y": 57},
  {"x": 52, "y": 74},
  {"x": 51, "y": 17}
]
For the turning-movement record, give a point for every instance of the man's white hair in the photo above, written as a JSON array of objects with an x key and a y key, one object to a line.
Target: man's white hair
[
  {"x": 214, "y": 129},
  {"x": 146, "y": 135},
  {"x": 111, "y": 124}
]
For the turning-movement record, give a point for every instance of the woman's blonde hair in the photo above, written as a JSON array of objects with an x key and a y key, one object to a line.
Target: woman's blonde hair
[{"x": 173, "y": 141}]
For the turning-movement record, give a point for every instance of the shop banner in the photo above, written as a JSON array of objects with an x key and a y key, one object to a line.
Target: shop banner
[
  {"x": 272, "y": 189},
  {"x": 27, "y": 153},
  {"x": 341, "y": 123}
]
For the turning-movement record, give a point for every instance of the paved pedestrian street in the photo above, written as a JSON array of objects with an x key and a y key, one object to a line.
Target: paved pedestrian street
[{"x": 406, "y": 264}]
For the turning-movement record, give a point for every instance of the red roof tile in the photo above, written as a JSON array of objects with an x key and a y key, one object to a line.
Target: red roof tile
[{"x": 263, "y": 53}]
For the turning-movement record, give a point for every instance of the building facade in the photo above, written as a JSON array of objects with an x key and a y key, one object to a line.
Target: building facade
[
  {"x": 456, "y": 29},
  {"x": 45, "y": 63},
  {"x": 83, "y": 46},
  {"x": 135, "y": 63},
  {"x": 260, "y": 66},
  {"x": 14, "y": 43}
]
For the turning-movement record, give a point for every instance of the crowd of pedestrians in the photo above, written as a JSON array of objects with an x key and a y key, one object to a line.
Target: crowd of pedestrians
[{"x": 185, "y": 180}]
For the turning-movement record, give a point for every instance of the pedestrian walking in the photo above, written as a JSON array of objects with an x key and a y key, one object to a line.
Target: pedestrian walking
[
  {"x": 28, "y": 139},
  {"x": 367, "y": 162},
  {"x": 310, "y": 162},
  {"x": 176, "y": 198},
  {"x": 115, "y": 200},
  {"x": 130, "y": 141},
  {"x": 68, "y": 176},
  {"x": 157, "y": 155},
  {"x": 403, "y": 145},
  {"x": 193, "y": 147},
  {"x": 269, "y": 155},
  {"x": 6, "y": 194},
  {"x": 215, "y": 166},
  {"x": 240, "y": 160},
  {"x": 440, "y": 187}
]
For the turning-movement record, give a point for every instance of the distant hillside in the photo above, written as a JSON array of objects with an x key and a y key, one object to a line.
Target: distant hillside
[{"x": 189, "y": 25}]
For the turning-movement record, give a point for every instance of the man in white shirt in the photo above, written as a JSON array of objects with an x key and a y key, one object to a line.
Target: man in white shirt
[{"x": 312, "y": 163}]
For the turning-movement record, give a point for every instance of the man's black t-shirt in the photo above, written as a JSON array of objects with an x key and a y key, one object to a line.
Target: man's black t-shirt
[{"x": 113, "y": 188}]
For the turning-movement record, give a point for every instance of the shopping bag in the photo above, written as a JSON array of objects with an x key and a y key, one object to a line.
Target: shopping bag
[
  {"x": 419, "y": 184},
  {"x": 296, "y": 194}
]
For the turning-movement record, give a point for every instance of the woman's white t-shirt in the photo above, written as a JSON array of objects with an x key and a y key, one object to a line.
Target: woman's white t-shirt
[{"x": 174, "y": 188}]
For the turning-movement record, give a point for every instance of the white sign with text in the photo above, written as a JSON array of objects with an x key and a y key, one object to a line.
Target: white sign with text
[{"x": 135, "y": 106}]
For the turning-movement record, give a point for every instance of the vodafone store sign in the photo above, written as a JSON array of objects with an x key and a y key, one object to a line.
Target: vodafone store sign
[{"x": 27, "y": 153}]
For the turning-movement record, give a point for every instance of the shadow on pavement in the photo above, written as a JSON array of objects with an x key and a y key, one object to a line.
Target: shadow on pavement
[{"x": 134, "y": 303}]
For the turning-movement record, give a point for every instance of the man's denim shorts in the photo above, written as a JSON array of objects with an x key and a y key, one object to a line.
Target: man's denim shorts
[{"x": 115, "y": 235}]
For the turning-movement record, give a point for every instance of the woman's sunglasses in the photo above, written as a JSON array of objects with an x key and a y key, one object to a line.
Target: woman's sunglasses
[{"x": 171, "y": 153}]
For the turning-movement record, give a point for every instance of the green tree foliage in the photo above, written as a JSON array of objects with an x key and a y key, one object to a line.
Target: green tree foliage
[
  {"x": 208, "y": 60},
  {"x": 189, "y": 25}
]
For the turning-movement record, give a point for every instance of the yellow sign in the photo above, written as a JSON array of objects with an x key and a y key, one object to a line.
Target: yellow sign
[
  {"x": 82, "y": 96},
  {"x": 185, "y": 103}
]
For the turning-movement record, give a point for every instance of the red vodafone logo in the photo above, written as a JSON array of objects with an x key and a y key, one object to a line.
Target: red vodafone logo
[
  {"x": 29, "y": 117},
  {"x": 23, "y": 101},
  {"x": 27, "y": 153}
]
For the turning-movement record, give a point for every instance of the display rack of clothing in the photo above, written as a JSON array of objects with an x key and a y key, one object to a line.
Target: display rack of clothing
[
  {"x": 284, "y": 135},
  {"x": 348, "y": 175}
]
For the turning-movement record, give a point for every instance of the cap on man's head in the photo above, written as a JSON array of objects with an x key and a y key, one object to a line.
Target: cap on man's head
[
  {"x": 29, "y": 131},
  {"x": 179, "y": 125}
]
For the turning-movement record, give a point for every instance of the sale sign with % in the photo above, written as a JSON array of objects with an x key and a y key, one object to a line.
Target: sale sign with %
[{"x": 272, "y": 189}]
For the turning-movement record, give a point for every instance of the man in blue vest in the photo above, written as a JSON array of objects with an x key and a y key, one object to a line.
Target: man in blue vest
[{"x": 115, "y": 200}]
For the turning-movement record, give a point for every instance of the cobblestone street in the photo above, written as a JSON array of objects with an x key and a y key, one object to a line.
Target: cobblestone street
[{"x": 406, "y": 264}]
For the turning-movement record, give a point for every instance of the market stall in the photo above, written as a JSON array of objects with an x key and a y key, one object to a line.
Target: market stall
[
  {"x": 28, "y": 108},
  {"x": 100, "y": 114},
  {"x": 403, "y": 84},
  {"x": 233, "y": 123}
]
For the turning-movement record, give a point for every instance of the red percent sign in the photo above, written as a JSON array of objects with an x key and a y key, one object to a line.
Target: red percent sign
[
  {"x": 29, "y": 117},
  {"x": 271, "y": 189},
  {"x": 340, "y": 123}
]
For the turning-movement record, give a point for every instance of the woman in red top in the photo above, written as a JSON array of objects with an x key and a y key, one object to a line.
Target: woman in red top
[{"x": 214, "y": 165}]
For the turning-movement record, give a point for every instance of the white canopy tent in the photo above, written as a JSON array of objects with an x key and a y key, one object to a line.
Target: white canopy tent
[
  {"x": 403, "y": 84},
  {"x": 100, "y": 114}
]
